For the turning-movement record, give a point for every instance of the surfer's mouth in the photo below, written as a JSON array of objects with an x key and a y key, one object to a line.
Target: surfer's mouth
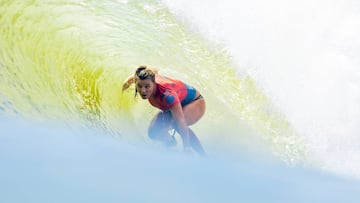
[{"x": 144, "y": 96}]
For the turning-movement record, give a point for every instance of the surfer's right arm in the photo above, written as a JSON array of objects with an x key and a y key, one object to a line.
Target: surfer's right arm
[
  {"x": 130, "y": 80},
  {"x": 181, "y": 126}
]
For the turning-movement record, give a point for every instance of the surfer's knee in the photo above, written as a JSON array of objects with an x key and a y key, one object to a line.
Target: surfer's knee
[
  {"x": 162, "y": 134},
  {"x": 159, "y": 130},
  {"x": 153, "y": 132}
]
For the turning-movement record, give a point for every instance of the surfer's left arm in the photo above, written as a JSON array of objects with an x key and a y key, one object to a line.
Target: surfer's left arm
[{"x": 182, "y": 127}]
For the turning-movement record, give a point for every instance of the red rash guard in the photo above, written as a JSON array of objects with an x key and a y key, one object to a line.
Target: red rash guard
[{"x": 170, "y": 92}]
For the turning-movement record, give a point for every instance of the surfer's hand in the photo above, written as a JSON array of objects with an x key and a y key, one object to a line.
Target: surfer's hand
[
  {"x": 130, "y": 80},
  {"x": 125, "y": 86}
]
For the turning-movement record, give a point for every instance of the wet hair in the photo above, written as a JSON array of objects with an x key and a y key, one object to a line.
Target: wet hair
[{"x": 143, "y": 73}]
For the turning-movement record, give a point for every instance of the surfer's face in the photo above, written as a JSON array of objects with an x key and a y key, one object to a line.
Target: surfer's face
[{"x": 145, "y": 88}]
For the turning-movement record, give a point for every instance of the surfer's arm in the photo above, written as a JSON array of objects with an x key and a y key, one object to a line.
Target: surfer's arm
[
  {"x": 130, "y": 80},
  {"x": 181, "y": 125}
]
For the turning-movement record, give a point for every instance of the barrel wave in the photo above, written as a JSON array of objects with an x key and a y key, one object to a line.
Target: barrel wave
[
  {"x": 66, "y": 60},
  {"x": 62, "y": 64}
]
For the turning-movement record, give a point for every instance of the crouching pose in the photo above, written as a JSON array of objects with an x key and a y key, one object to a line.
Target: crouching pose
[{"x": 181, "y": 106}]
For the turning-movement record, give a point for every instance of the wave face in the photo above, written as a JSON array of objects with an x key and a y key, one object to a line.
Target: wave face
[
  {"x": 305, "y": 56},
  {"x": 65, "y": 61},
  {"x": 269, "y": 76}
]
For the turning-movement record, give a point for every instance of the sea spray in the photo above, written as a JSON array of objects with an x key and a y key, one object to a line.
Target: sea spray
[{"x": 304, "y": 55}]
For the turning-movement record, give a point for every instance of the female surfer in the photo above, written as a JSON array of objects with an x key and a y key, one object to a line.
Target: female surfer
[{"x": 181, "y": 106}]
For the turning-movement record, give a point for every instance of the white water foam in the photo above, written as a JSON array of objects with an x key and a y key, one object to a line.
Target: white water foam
[
  {"x": 305, "y": 56},
  {"x": 45, "y": 162}
]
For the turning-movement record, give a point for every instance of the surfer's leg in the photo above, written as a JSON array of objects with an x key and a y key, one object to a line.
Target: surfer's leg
[
  {"x": 192, "y": 113},
  {"x": 195, "y": 143},
  {"x": 159, "y": 128}
]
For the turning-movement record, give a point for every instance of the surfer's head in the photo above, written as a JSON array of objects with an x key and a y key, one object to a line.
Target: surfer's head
[
  {"x": 143, "y": 73},
  {"x": 144, "y": 82}
]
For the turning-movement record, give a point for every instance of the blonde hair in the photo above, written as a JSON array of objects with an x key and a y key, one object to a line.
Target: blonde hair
[{"x": 143, "y": 73}]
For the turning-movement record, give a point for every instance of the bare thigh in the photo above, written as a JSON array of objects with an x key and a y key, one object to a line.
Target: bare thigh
[{"x": 194, "y": 111}]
